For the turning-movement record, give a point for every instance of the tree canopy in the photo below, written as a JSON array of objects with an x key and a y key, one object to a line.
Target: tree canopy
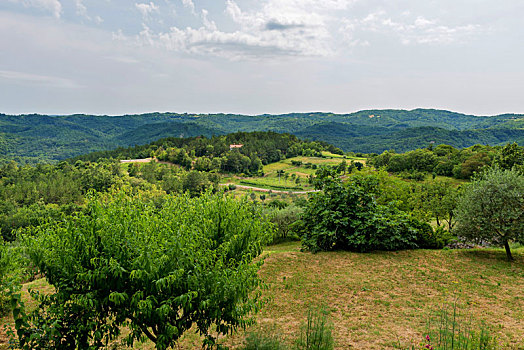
[
  {"x": 158, "y": 270},
  {"x": 491, "y": 208}
]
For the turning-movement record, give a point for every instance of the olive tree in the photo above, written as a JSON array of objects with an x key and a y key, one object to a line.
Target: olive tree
[
  {"x": 491, "y": 208},
  {"x": 158, "y": 269}
]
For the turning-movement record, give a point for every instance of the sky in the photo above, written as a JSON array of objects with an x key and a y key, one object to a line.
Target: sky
[{"x": 267, "y": 56}]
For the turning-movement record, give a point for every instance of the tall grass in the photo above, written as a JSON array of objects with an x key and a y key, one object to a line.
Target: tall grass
[
  {"x": 448, "y": 329},
  {"x": 315, "y": 334}
]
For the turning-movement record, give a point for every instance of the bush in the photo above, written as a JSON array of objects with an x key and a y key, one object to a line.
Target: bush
[
  {"x": 4, "y": 278},
  {"x": 267, "y": 339},
  {"x": 346, "y": 216},
  {"x": 157, "y": 270},
  {"x": 13, "y": 270}
]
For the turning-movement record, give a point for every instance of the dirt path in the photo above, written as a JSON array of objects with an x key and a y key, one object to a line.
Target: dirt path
[{"x": 258, "y": 189}]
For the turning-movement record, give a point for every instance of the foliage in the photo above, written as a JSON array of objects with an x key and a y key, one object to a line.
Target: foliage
[
  {"x": 346, "y": 216},
  {"x": 4, "y": 278},
  {"x": 41, "y": 138},
  {"x": 159, "y": 270},
  {"x": 284, "y": 220},
  {"x": 491, "y": 208},
  {"x": 510, "y": 156},
  {"x": 444, "y": 160},
  {"x": 439, "y": 198}
]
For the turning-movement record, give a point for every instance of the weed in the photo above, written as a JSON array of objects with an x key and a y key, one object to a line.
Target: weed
[{"x": 316, "y": 334}]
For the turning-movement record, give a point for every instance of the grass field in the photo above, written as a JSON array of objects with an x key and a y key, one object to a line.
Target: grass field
[
  {"x": 382, "y": 300},
  {"x": 271, "y": 180}
]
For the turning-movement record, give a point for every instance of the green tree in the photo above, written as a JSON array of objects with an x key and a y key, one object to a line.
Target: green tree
[
  {"x": 511, "y": 155},
  {"x": 280, "y": 173},
  {"x": 440, "y": 199},
  {"x": 491, "y": 208},
  {"x": 346, "y": 216},
  {"x": 158, "y": 271}
]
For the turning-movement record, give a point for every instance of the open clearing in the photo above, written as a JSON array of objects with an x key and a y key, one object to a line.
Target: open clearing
[{"x": 382, "y": 299}]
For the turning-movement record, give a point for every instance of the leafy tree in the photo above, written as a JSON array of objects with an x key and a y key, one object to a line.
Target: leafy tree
[
  {"x": 158, "y": 271},
  {"x": 440, "y": 199},
  {"x": 280, "y": 173},
  {"x": 491, "y": 208},
  {"x": 511, "y": 155},
  {"x": 346, "y": 216}
]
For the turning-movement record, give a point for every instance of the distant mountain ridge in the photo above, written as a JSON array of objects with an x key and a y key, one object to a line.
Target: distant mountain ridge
[{"x": 42, "y": 138}]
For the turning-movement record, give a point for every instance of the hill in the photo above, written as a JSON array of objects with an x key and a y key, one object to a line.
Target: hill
[
  {"x": 369, "y": 139},
  {"x": 44, "y": 138}
]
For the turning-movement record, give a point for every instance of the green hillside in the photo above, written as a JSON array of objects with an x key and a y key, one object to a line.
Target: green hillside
[
  {"x": 376, "y": 140},
  {"x": 36, "y": 138}
]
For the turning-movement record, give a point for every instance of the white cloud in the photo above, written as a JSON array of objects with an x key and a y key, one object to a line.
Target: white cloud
[
  {"x": 53, "y": 6},
  {"x": 278, "y": 28},
  {"x": 81, "y": 9},
  {"x": 147, "y": 9},
  {"x": 190, "y": 5},
  {"x": 36, "y": 79},
  {"x": 419, "y": 30}
]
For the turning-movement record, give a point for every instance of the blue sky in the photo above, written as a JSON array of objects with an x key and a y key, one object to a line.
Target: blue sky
[{"x": 254, "y": 57}]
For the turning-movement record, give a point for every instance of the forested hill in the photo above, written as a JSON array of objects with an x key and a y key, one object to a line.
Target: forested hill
[{"x": 36, "y": 138}]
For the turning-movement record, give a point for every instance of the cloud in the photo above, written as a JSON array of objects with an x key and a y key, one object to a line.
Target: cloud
[
  {"x": 274, "y": 25},
  {"x": 35, "y": 79},
  {"x": 81, "y": 10},
  {"x": 419, "y": 30},
  {"x": 278, "y": 28},
  {"x": 53, "y": 6},
  {"x": 147, "y": 9},
  {"x": 190, "y": 5}
]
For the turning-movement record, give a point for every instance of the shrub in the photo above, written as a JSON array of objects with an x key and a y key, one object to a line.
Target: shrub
[
  {"x": 4, "y": 278},
  {"x": 346, "y": 216},
  {"x": 157, "y": 270},
  {"x": 267, "y": 339}
]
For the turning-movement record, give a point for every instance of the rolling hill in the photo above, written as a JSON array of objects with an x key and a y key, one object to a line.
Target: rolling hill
[{"x": 44, "y": 138}]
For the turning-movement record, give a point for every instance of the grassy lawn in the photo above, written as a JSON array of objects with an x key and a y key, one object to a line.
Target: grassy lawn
[{"x": 382, "y": 299}]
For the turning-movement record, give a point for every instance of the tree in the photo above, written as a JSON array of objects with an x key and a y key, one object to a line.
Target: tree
[
  {"x": 346, "y": 216},
  {"x": 157, "y": 270},
  {"x": 511, "y": 155},
  {"x": 280, "y": 173},
  {"x": 491, "y": 208},
  {"x": 440, "y": 199}
]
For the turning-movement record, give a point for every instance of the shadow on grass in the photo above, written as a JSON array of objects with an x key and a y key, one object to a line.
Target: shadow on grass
[{"x": 493, "y": 255}]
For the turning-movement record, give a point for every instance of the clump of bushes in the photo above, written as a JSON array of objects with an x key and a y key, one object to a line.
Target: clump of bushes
[{"x": 346, "y": 216}]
